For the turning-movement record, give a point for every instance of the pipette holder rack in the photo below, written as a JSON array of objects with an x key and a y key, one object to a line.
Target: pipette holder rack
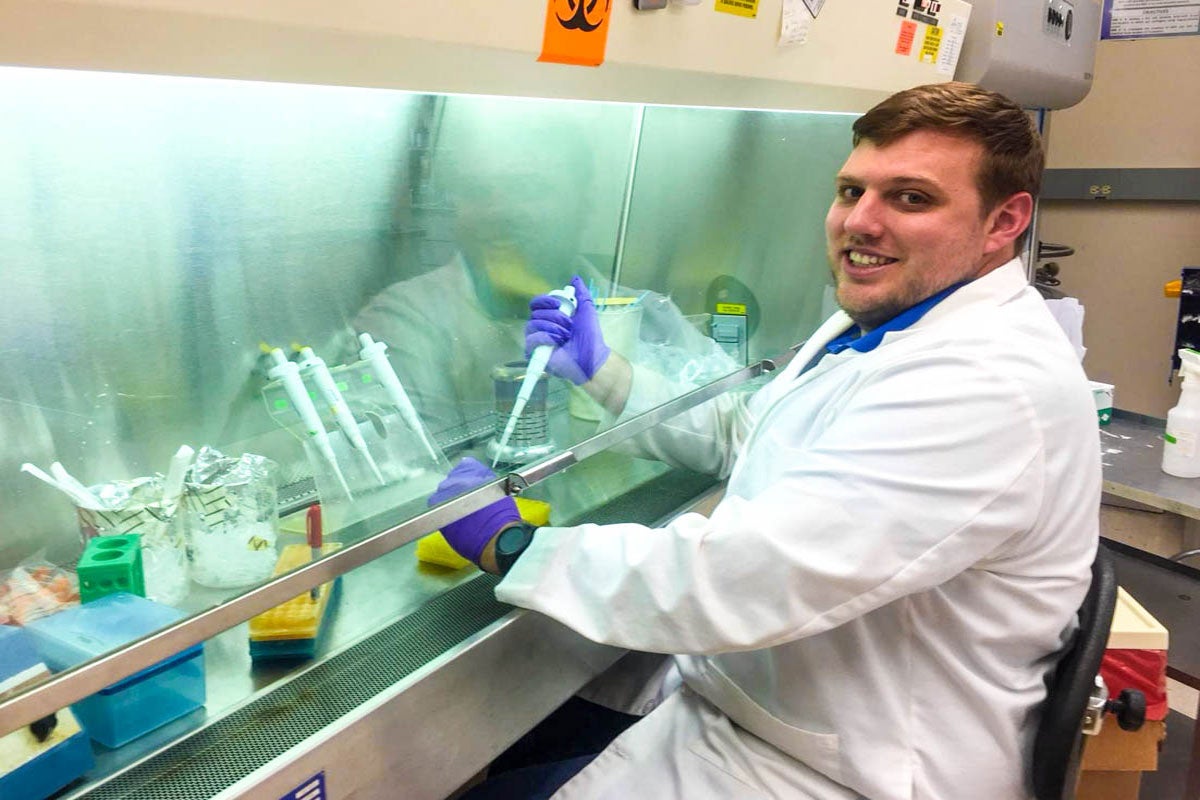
[{"x": 408, "y": 469}]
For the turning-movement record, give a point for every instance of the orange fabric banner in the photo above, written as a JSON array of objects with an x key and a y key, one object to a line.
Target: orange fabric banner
[{"x": 576, "y": 32}]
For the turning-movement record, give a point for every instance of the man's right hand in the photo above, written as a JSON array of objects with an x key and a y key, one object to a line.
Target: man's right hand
[{"x": 579, "y": 345}]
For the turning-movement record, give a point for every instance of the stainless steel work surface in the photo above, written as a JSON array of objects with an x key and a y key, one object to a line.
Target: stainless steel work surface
[{"x": 1131, "y": 452}]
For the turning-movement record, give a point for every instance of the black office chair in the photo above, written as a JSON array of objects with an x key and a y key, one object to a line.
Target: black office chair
[{"x": 1077, "y": 698}]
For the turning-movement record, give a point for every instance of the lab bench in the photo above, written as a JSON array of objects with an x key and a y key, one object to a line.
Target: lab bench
[
  {"x": 1131, "y": 453},
  {"x": 422, "y": 677}
]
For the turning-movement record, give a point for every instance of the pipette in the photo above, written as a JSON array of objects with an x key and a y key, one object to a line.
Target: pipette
[
  {"x": 288, "y": 374},
  {"x": 375, "y": 354},
  {"x": 315, "y": 366},
  {"x": 533, "y": 373}
]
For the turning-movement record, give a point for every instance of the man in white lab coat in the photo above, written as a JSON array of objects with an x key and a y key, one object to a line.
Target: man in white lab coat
[{"x": 910, "y": 515}]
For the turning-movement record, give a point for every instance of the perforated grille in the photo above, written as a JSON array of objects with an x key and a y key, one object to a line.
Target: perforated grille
[{"x": 218, "y": 756}]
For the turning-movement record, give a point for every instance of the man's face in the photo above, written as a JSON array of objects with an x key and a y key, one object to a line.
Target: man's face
[{"x": 907, "y": 221}]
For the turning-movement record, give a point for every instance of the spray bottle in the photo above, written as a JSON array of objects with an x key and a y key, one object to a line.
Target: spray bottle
[
  {"x": 1181, "y": 442},
  {"x": 537, "y": 367}
]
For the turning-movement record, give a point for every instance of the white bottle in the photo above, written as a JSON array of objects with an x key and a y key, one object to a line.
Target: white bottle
[{"x": 1181, "y": 442}]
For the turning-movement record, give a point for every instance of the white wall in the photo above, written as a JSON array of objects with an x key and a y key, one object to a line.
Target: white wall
[{"x": 1143, "y": 111}]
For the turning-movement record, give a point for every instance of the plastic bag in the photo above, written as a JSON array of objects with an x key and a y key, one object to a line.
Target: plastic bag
[
  {"x": 674, "y": 346},
  {"x": 36, "y": 589}
]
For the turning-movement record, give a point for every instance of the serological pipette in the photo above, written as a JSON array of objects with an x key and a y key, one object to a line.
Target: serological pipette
[
  {"x": 538, "y": 360},
  {"x": 314, "y": 365},
  {"x": 375, "y": 354},
  {"x": 288, "y": 374}
]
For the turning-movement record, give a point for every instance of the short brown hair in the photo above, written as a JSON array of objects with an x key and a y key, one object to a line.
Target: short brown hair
[{"x": 1013, "y": 158}]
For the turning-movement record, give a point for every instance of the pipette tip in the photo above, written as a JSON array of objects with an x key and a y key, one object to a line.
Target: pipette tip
[
  {"x": 509, "y": 427},
  {"x": 342, "y": 480},
  {"x": 375, "y": 469}
]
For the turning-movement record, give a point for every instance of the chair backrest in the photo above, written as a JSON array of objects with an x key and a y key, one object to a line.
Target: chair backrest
[{"x": 1058, "y": 746}]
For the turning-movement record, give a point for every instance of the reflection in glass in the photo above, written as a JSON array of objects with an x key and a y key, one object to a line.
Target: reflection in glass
[{"x": 162, "y": 236}]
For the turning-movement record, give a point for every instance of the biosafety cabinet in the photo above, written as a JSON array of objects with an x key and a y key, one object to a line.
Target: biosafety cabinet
[{"x": 210, "y": 208}]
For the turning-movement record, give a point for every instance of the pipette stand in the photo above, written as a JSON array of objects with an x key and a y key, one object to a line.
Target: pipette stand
[{"x": 402, "y": 455}]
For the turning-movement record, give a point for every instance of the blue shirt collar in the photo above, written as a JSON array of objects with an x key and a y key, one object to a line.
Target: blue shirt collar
[{"x": 855, "y": 339}]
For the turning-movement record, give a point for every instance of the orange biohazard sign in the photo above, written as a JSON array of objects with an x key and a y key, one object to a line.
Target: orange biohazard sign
[{"x": 576, "y": 32}]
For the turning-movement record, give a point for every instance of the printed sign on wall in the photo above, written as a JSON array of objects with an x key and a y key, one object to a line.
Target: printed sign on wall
[
  {"x": 1143, "y": 19},
  {"x": 741, "y": 8},
  {"x": 576, "y": 32}
]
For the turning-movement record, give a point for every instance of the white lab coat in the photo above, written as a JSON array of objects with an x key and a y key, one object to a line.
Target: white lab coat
[{"x": 905, "y": 537}]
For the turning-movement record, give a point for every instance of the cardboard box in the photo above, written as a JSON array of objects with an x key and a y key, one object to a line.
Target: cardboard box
[
  {"x": 1108, "y": 786},
  {"x": 1116, "y": 750}
]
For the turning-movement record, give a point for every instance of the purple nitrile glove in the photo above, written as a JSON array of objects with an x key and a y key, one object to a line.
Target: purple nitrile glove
[
  {"x": 579, "y": 345},
  {"x": 469, "y": 535}
]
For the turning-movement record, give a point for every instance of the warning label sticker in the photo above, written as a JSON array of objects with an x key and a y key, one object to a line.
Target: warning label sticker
[
  {"x": 742, "y": 8},
  {"x": 931, "y": 45},
  {"x": 908, "y": 32}
]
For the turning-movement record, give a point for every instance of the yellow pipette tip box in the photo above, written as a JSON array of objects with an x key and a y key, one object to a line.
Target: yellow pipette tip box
[{"x": 300, "y": 617}]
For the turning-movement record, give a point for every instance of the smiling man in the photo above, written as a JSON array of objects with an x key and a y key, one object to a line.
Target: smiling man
[
  {"x": 922, "y": 204},
  {"x": 910, "y": 515}
]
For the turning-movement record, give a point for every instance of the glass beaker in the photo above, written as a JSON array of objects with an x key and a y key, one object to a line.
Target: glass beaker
[
  {"x": 530, "y": 439},
  {"x": 230, "y": 512},
  {"x": 141, "y": 510}
]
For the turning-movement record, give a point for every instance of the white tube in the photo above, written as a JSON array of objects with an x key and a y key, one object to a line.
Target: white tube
[
  {"x": 375, "y": 354},
  {"x": 77, "y": 488},
  {"x": 173, "y": 484},
  {"x": 315, "y": 367},
  {"x": 83, "y": 501},
  {"x": 288, "y": 374}
]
